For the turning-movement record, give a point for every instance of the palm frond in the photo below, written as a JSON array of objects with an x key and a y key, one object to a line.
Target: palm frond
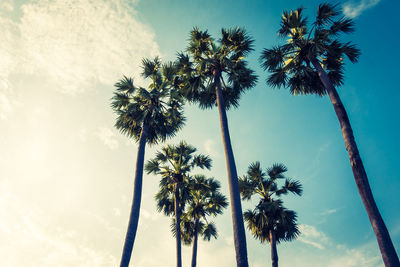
[
  {"x": 351, "y": 51},
  {"x": 276, "y": 171},
  {"x": 209, "y": 231},
  {"x": 326, "y": 13},
  {"x": 202, "y": 161},
  {"x": 152, "y": 166},
  {"x": 343, "y": 25},
  {"x": 125, "y": 85}
]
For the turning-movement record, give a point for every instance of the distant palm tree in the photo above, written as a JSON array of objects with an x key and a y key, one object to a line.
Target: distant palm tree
[
  {"x": 205, "y": 200},
  {"x": 216, "y": 74},
  {"x": 148, "y": 116},
  {"x": 270, "y": 221},
  {"x": 174, "y": 163},
  {"x": 311, "y": 62}
]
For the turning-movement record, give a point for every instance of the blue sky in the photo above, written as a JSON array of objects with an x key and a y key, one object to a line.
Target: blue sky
[{"x": 66, "y": 182}]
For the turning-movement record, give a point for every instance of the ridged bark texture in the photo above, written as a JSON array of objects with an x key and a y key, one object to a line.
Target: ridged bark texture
[
  {"x": 137, "y": 196},
  {"x": 274, "y": 252},
  {"x": 385, "y": 243},
  {"x": 178, "y": 228},
  {"x": 239, "y": 234},
  {"x": 195, "y": 240}
]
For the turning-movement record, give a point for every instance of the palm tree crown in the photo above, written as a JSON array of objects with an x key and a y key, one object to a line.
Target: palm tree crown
[
  {"x": 149, "y": 116},
  {"x": 216, "y": 74},
  {"x": 205, "y": 200},
  {"x": 291, "y": 63},
  {"x": 159, "y": 107},
  {"x": 174, "y": 163},
  {"x": 312, "y": 62},
  {"x": 210, "y": 62},
  {"x": 270, "y": 214}
]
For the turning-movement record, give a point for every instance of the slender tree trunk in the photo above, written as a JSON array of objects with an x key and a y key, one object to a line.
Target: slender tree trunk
[
  {"x": 239, "y": 234},
  {"x": 195, "y": 240},
  {"x": 137, "y": 196},
  {"x": 274, "y": 252},
  {"x": 178, "y": 227},
  {"x": 386, "y": 247}
]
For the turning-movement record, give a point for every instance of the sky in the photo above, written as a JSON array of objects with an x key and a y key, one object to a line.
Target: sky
[{"x": 66, "y": 177}]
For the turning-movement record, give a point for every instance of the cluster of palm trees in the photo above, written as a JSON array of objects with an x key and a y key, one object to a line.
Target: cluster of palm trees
[{"x": 215, "y": 73}]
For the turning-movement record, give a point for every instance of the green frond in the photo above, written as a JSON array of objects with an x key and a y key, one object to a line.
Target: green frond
[
  {"x": 169, "y": 71},
  {"x": 351, "y": 51},
  {"x": 292, "y": 186},
  {"x": 273, "y": 58},
  {"x": 292, "y": 20},
  {"x": 278, "y": 78},
  {"x": 202, "y": 161},
  {"x": 343, "y": 25},
  {"x": 247, "y": 187},
  {"x": 152, "y": 166},
  {"x": 151, "y": 68},
  {"x": 125, "y": 85},
  {"x": 120, "y": 101},
  {"x": 237, "y": 41},
  {"x": 277, "y": 171},
  {"x": 209, "y": 231},
  {"x": 326, "y": 13}
]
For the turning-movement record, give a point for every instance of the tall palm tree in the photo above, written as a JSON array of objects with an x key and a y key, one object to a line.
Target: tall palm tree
[
  {"x": 312, "y": 62},
  {"x": 174, "y": 163},
  {"x": 205, "y": 200},
  {"x": 270, "y": 221},
  {"x": 148, "y": 116},
  {"x": 216, "y": 74}
]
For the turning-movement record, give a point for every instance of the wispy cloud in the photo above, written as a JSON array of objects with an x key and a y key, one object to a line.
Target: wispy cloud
[
  {"x": 311, "y": 236},
  {"x": 329, "y": 211},
  {"x": 352, "y": 10},
  {"x": 209, "y": 147},
  {"x": 25, "y": 227},
  {"x": 71, "y": 46},
  {"x": 362, "y": 256},
  {"x": 108, "y": 137},
  {"x": 340, "y": 255}
]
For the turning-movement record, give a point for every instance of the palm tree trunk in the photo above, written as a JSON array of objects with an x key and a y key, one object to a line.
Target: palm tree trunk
[
  {"x": 239, "y": 234},
  {"x": 386, "y": 247},
  {"x": 196, "y": 237},
  {"x": 178, "y": 228},
  {"x": 274, "y": 252},
  {"x": 137, "y": 196}
]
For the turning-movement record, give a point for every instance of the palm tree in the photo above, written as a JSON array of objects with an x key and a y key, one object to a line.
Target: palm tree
[
  {"x": 205, "y": 200},
  {"x": 312, "y": 62},
  {"x": 174, "y": 163},
  {"x": 216, "y": 74},
  {"x": 148, "y": 116},
  {"x": 270, "y": 221}
]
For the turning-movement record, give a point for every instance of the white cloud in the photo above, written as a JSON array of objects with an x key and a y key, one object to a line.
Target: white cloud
[
  {"x": 24, "y": 228},
  {"x": 357, "y": 257},
  {"x": 6, "y": 104},
  {"x": 209, "y": 147},
  {"x": 117, "y": 212},
  {"x": 71, "y": 46},
  {"x": 329, "y": 211},
  {"x": 82, "y": 135},
  {"x": 107, "y": 136},
  {"x": 311, "y": 236},
  {"x": 352, "y": 10},
  {"x": 6, "y": 6}
]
